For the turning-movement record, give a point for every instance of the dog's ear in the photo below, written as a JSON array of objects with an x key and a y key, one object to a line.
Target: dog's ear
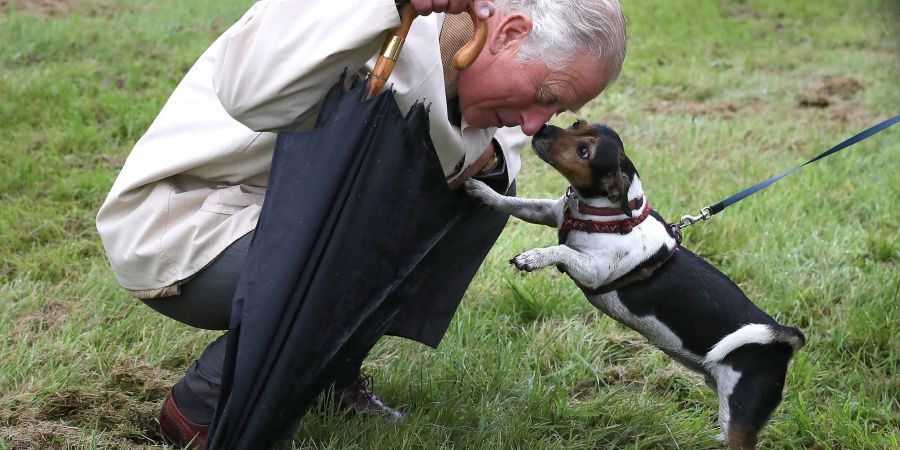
[
  {"x": 616, "y": 185},
  {"x": 621, "y": 184}
]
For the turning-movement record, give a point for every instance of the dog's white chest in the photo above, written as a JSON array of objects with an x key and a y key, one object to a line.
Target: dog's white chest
[{"x": 615, "y": 255}]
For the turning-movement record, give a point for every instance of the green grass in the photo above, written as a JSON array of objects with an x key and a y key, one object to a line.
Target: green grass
[{"x": 707, "y": 104}]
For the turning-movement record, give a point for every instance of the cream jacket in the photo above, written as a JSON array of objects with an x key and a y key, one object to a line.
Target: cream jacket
[{"x": 194, "y": 183}]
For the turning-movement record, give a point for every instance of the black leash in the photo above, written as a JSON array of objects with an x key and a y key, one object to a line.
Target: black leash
[{"x": 714, "y": 209}]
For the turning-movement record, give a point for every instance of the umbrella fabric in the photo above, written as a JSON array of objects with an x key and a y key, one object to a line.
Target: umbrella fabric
[{"x": 350, "y": 209}]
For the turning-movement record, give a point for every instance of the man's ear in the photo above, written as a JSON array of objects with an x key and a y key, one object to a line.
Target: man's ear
[{"x": 510, "y": 32}]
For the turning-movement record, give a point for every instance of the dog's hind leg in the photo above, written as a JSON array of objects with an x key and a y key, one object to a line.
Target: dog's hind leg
[
  {"x": 723, "y": 378},
  {"x": 749, "y": 366},
  {"x": 750, "y": 404},
  {"x": 742, "y": 437}
]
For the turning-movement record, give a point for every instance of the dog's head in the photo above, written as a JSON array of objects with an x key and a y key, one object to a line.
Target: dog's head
[{"x": 591, "y": 157}]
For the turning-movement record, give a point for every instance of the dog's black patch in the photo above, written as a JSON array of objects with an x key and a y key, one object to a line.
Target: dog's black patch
[{"x": 700, "y": 304}]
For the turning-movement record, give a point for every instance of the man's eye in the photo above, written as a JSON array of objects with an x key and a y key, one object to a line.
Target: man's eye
[{"x": 583, "y": 151}]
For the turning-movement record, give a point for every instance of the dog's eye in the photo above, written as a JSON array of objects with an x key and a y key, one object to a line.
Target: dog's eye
[
  {"x": 582, "y": 151},
  {"x": 575, "y": 125}
]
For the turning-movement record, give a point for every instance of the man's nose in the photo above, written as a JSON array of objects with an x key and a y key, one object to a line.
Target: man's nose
[{"x": 534, "y": 118}]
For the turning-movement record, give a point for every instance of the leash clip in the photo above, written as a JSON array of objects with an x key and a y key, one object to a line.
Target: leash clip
[{"x": 688, "y": 220}]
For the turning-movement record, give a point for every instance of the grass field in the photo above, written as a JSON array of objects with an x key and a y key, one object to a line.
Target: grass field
[{"x": 714, "y": 96}]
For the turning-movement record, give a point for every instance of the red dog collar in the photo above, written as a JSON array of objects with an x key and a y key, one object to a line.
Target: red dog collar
[
  {"x": 623, "y": 226},
  {"x": 597, "y": 211}
]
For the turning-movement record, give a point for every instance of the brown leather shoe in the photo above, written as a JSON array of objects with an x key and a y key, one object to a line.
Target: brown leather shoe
[
  {"x": 358, "y": 398},
  {"x": 177, "y": 429}
]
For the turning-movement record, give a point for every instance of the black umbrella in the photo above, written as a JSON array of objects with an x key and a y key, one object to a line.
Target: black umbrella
[{"x": 351, "y": 207}]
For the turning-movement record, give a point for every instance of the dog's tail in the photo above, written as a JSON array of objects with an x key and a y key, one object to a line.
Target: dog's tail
[
  {"x": 792, "y": 336},
  {"x": 754, "y": 333}
]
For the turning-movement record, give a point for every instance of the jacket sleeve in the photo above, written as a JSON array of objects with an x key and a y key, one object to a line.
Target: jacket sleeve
[{"x": 277, "y": 62}]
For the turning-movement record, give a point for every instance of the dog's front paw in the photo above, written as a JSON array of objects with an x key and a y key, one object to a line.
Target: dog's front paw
[
  {"x": 530, "y": 260},
  {"x": 480, "y": 191}
]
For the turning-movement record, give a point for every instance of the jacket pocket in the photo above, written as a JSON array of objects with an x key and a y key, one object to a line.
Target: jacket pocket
[{"x": 232, "y": 199}]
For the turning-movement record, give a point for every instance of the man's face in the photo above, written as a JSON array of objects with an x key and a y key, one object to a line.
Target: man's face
[{"x": 498, "y": 91}]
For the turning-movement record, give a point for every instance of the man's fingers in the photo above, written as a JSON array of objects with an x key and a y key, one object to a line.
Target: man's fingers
[
  {"x": 422, "y": 7},
  {"x": 426, "y": 7},
  {"x": 483, "y": 8},
  {"x": 440, "y": 6}
]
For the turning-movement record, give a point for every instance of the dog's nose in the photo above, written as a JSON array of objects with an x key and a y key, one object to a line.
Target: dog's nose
[{"x": 541, "y": 130}]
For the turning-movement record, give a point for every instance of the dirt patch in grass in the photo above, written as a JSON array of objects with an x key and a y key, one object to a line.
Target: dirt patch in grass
[
  {"x": 623, "y": 374},
  {"x": 31, "y": 434},
  {"x": 141, "y": 381},
  {"x": 25, "y": 430},
  {"x": 852, "y": 111},
  {"x": 114, "y": 161},
  {"x": 122, "y": 412},
  {"x": 584, "y": 389},
  {"x": 743, "y": 12},
  {"x": 830, "y": 91},
  {"x": 7, "y": 271},
  {"x": 624, "y": 347},
  {"x": 836, "y": 98},
  {"x": 675, "y": 381},
  {"x": 726, "y": 109},
  {"x": 51, "y": 315},
  {"x": 51, "y": 8},
  {"x": 42, "y": 8},
  {"x": 113, "y": 412}
]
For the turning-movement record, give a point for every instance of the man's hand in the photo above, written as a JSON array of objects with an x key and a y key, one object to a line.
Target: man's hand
[{"x": 483, "y": 8}]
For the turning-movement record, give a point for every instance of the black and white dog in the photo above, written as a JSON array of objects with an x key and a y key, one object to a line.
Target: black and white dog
[{"x": 629, "y": 264}]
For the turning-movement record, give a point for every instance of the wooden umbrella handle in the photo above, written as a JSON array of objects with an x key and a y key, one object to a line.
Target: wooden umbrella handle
[
  {"x": 466, "y": 55},
  {"x": 395, "y": 40}
]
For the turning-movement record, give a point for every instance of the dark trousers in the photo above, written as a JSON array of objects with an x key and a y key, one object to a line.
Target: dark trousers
[{"x": 438, "y": 283}]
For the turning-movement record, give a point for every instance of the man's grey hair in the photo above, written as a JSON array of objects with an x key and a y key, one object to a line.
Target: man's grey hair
[{"x": 565, "y": 29}]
